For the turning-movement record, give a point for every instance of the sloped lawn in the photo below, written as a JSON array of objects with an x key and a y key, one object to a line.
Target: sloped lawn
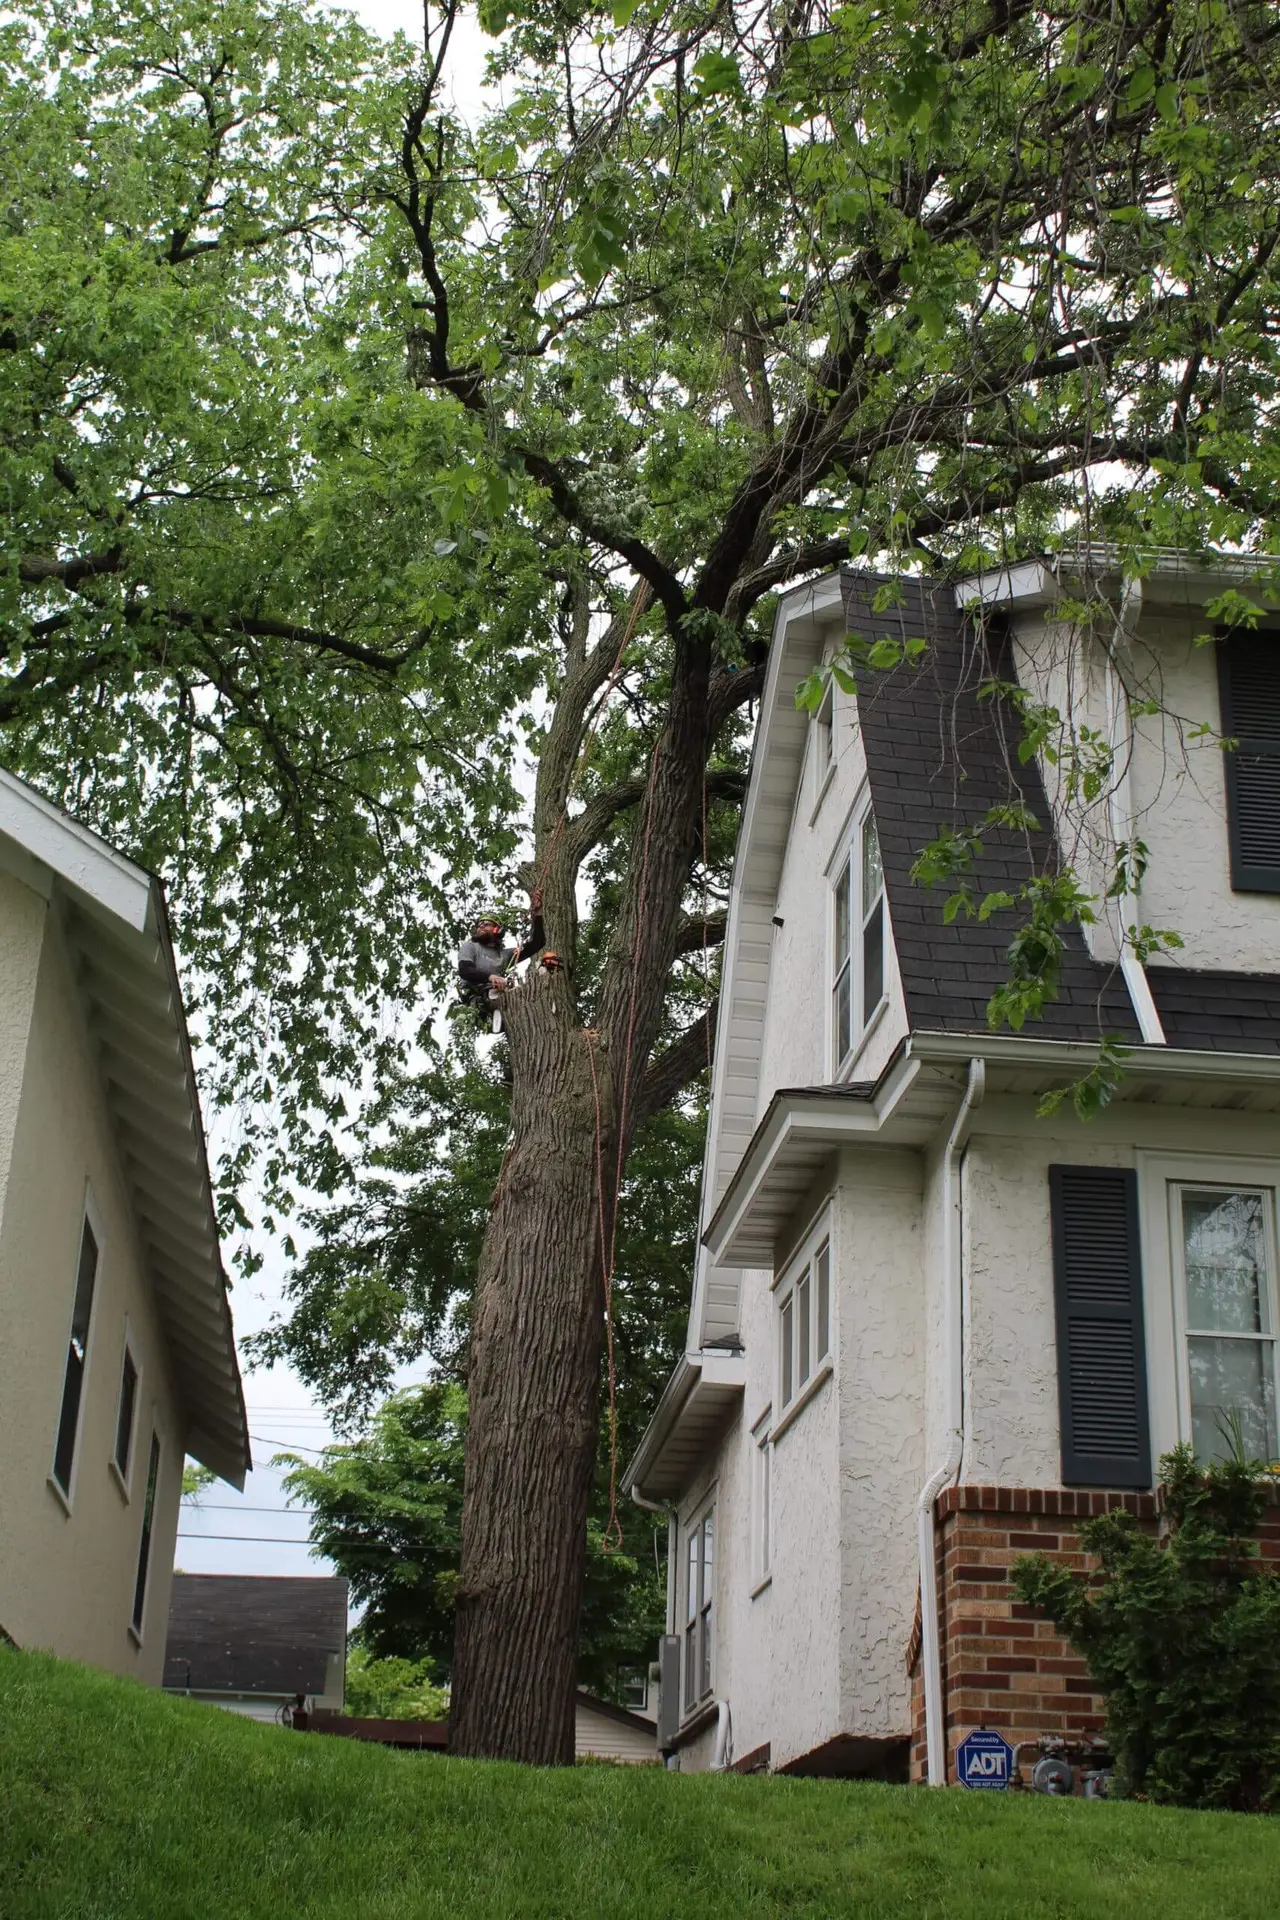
[{"x": 117, "y": 1801}]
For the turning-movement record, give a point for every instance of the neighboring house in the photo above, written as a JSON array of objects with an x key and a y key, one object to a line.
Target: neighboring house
[
  {"x": 116, "y": 1349},
  {"x": 601, "y": 1732},
  {"x": 253, "y": 1643},
  {"x": 929, "y": 1329}
]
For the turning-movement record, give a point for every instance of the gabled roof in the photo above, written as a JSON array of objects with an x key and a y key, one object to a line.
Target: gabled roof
[
  {"x": 234, "y": 1633},
  {"x": 117, "y": 930}
]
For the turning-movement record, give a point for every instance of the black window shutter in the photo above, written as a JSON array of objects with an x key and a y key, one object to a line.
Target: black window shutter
[
  {"x": 1249, "y": 688},
  {"x": 1102, "y": 1363}
]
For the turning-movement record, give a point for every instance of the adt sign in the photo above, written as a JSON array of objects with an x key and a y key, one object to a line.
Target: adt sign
[{"x": 984, "y": 1760}]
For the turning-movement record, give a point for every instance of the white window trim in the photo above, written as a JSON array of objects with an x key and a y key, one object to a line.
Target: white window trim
[
  {"x": 761, "y": 1505},
  {"x": 1164, "y": 1308},
  {"x": 849, "y": 853},
  {"x": 66, "y": 1496},
  {"x": 689, "y": 1708},
  {"x": 803, "y": 1258},
  {"x": 124, "y": 1481}
]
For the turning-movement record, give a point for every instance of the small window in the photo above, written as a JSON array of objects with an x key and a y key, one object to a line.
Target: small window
[
  {"x": 124, "y": 1414},
  {"x": 634, "y": 1684},
  {"x": 699, "y": 1587},
  {"x": 858, "y": 977},
  {"x": 1225, "y": 1241},
  {"x": 803, "y": 1306},
  {"x": 64, "y": 1453},
  {"x": 144, "y": 1541}
]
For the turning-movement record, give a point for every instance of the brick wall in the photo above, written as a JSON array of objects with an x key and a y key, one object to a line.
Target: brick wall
[{"x": 1003, "y": 1666}]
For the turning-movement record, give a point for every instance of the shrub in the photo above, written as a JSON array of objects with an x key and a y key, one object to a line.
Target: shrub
[{"x": 1182, "y": 1634}]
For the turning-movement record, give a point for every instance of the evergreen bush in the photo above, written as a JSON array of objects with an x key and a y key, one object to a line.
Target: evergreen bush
[{"x": 1182, "y": 1634}]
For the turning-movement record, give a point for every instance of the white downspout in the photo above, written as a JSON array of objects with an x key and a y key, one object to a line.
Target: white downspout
[
  {"x": 722, "y": 1759},
  {"x": 1120, "y": 812},
  {"x": 953, "y": 1346},
  {"x": 660, "y": 1506}
]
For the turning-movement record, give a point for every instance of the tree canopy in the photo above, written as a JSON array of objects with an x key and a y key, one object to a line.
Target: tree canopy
[{"x": 331, "y": 428}]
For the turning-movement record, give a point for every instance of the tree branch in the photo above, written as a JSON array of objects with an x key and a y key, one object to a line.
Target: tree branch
[{"x": 677, "y": 1065}]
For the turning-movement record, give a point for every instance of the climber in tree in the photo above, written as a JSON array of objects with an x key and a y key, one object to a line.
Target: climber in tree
[{"x": 484, "y": 960}]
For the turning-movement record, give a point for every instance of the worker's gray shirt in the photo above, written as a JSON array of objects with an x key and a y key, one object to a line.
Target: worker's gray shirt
[{"x": 486, "y": 960}]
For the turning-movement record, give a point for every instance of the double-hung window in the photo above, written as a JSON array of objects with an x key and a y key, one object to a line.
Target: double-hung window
[
  {"x": 64, "y": 1452},
  {"x": 699, "y": 1592},
  {"x": 803, "y": 1314},
  {"x": 1224, "y": 1245},
  {"x": 858, "y": 982}
]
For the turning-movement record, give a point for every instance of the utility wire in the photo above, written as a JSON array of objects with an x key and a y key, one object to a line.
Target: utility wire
[{"x": 261, "y": 1539}]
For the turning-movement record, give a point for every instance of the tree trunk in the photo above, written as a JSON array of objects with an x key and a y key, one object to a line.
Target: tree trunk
[{"x": 534, "y": 1395}]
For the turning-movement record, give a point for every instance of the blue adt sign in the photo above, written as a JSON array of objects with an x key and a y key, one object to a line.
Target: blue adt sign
[{"x": 984, "y": 1760}]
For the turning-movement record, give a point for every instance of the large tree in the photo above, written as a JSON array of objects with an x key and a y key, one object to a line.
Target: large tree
[{"x": 349, "y": 449}]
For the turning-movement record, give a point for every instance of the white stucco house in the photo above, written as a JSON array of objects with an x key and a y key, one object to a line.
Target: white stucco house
[
  {"x": 930, "y": 1329},
  {"x": 116, "y": 1348}
]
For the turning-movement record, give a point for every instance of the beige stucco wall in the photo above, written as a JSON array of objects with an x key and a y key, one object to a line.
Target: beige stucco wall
[{"x": 67, "y": 1579}]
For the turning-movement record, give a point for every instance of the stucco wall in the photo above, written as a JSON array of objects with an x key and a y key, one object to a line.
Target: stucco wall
[
  {"x": 880, "y": 1375},
  {"x": 1011, "y": 1349},
  {"x": 1177, "y": 793},
  {"x": 67, "y": 1580},
  {"x": 796, "y": 1049}
]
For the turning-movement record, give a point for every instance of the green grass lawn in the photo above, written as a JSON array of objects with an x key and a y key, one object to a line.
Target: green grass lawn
[{"x": 115, "y": 1800}]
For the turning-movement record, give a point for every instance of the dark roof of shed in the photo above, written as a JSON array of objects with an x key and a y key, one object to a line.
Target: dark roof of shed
[
  {"x": 938, "y": 755},
  {"x": 233, "y": 1633}
]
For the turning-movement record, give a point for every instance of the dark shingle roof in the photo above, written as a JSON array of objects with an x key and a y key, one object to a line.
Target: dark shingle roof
[
  {"x": 937, "y": 755},
  {"x": 1220, "y": 1012},
  {"x": 230, "y": 1633}
]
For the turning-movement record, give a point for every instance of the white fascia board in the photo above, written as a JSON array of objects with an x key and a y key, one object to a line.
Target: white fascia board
[
  {"x": 90, "y": 869},
  {"x": 821, "y": 1118},
  {"x": 683, "y": 1379},
  {"x": 1171, "y": 579},
  {"x": 1056, "y": 1057}
]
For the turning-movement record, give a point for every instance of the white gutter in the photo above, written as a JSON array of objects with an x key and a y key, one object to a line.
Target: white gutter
[
  {"x": 1120, "y": 810},
  {"x": 944, "y": 1475}
]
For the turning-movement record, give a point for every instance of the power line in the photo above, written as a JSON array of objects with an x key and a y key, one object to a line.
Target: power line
[
  {"x": 279, "y": 1440},
  {"x": 258, "y": 1539},
  {"x": 235, "y": 1506}
]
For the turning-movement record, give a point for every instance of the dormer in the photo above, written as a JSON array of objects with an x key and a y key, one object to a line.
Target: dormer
[{"x": 1140, "y": 690}]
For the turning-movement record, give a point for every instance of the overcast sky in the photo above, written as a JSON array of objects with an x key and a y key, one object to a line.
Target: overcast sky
[{"x": 255, "y": 1532}]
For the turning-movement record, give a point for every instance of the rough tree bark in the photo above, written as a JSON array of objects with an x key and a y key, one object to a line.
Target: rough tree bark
[
  {"x": 534, "y": 1379},
  {"x": 533, "y": 1393}
]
